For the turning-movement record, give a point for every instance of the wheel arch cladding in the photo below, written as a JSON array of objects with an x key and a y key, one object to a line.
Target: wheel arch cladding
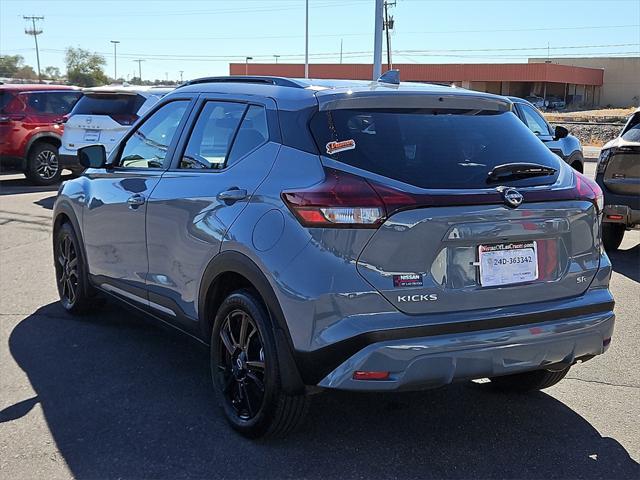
[
  {"x": 229, "y": 271},
  {"x": 44, "y": 137}
]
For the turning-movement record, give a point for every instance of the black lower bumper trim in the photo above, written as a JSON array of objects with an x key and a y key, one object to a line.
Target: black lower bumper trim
[{"x": 316, "y": 365}]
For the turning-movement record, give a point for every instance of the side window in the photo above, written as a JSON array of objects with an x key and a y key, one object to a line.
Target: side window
[
  {"x": 253, "y": 132},
  {"x": 211, "y": 136},
  {"x": 534, "y": 121},
  {"x": 632, "y": 132},
  {"x": 148, "y": 146}
]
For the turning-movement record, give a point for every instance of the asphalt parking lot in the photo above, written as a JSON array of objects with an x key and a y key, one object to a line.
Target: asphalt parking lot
[{"x": 111, "y": 396}]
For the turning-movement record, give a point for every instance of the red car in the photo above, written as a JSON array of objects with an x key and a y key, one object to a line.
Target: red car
[{"x": 31, "y": 128}]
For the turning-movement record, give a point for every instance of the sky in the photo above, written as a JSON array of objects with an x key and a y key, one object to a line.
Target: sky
[{"x": 201, "y": 38}]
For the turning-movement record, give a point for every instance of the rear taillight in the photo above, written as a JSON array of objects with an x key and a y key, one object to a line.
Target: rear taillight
[
  {"x": 589, "y": 190},
  {"x": 341, "y": 200},
  {"x": 124, "y": 119},
  {"x": 603, "y": 160}
]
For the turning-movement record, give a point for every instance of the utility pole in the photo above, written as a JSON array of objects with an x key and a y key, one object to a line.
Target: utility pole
[
  {"x": 388, "y": 26},
  {"x": 341, "y": 50},
  {"x": 276, "y": 57},
  {"x": 115, "y": 60},
  {"x": 140, "y": 60},
  {"x": 181, "y": 72},
  {"x": 377, "y": 41},
  {"x": 246, "y": 65},
  {"x": 35, "y": 32},
  {"x": 306, "y": 40}
]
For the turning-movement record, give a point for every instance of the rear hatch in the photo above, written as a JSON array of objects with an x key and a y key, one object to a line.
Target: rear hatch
[
  {"x": 101, "y": 118},
  {"x": 455, "y": 236},
  {"x": 622, "y": 170}
]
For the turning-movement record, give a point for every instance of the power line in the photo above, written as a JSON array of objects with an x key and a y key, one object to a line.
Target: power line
[
  {"x": 35, "y": 32},
  {"x": 136, "y": 56}
]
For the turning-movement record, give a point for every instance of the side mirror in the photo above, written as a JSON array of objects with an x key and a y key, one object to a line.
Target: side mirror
[
  {"x": 92, "y": 156},
  {"x": 560, "y": 132}
]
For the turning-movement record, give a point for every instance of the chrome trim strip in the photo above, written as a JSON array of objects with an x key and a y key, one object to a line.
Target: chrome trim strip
[{"x": 136, "y": 298}]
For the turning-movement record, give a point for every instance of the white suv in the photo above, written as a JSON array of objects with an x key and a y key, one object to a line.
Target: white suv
[{"x": 104, "y": 115}]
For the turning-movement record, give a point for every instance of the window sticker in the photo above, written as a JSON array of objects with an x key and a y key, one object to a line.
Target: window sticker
[{"x": 341, "y": 146}]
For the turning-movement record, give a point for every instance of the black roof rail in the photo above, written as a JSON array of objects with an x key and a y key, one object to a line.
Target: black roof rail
[{"x": 279, "y": 81}]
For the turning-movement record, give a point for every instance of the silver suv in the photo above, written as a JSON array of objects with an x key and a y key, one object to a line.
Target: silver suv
[{"x": 364, "y": 236}]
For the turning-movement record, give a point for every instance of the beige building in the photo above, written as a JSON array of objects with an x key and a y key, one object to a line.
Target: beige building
[{"x": 621, "y": 83}]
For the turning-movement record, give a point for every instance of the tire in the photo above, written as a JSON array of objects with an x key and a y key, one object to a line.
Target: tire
[
  {"x": 612, "y": 235},
  {"x": 43, "y": 166},
  {"x": 245, "y": 371},
  {"x": 76, "y": 295},
  {"x": 528, "y": 381}
]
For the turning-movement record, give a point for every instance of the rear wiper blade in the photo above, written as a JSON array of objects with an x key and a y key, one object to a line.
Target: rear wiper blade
[{"x": 511, "y": 171}]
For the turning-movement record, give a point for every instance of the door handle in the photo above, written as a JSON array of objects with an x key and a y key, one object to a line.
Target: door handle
[
  {"x": 232, "y": 195},
  {"x": 134, "y": 201}
]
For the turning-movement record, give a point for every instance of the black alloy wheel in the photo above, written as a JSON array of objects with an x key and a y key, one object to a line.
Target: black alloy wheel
[
  {"x": 242, "y": 364},
  {"x": 67, "y": 271}
]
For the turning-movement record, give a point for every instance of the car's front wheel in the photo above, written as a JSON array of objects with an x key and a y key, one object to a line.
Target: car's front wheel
[
  {"x": 43, "y": 166},
  {"x": 529, "y": 381},
  {"x": 612, "y": 235},
  {"x": 244, "y": 368}
]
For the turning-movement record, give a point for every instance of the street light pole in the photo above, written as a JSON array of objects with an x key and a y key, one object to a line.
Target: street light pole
[
  {"x": 377, "y": 41},
  {"x": 246, "y": 65},
  {"x": 306, "y": 40},
  {"x": 276, "y": 57},
  {"x": 115, "y": 59}
]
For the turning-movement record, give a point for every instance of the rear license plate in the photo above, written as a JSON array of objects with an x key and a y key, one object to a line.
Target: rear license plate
[
  {"x": 91, "y": 135},
  {"x": 508, "y": 263}
]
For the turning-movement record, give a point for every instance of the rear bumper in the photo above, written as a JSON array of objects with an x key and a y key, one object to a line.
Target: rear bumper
[
  {"x": 69, "y": 161},
  {"x": 615, "y": 204},
  {"x": 428, "y": 362}
]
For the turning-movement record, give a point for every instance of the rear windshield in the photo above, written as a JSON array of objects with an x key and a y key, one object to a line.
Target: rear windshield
[
  {"x": 58, "y": 103},
  {"x": 108, "y": 104},
  {"x": 431, "y": 148}
]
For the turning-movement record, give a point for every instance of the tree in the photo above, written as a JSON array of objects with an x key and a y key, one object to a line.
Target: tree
[
  {"x": 52, "y": 73},
  {"x": 13, "y": 66},
  {"x": 85, "y": 68}
]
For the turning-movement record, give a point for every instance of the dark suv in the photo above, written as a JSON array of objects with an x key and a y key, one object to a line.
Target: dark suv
[
  {"x": 557, "y": 139},
  {"x": 365, "y": 236},
  {"x": 31, "y": 129},
  {"x": 618, "y": 174}
]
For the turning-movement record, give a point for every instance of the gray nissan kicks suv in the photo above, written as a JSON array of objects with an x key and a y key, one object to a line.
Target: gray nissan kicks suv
[{"x": 364, "y": 236}]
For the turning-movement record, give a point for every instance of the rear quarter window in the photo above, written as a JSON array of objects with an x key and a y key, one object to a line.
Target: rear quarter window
[
  {"x": 428, "y": 148},
  {"x": 632, "y": 131}
]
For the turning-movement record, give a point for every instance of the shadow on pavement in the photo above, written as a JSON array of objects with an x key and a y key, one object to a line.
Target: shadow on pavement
[
  {"x": 124, "y": 399},
  {"x": 627, "y": 262},
  {"x": 47, "y": 202},
  {"x": 16, "y": 185}
]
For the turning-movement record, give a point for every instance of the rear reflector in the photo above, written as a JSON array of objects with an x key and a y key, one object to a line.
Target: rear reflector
[
  {"x": 615, "y": 217},
  {"x": 363, "y": 375}
]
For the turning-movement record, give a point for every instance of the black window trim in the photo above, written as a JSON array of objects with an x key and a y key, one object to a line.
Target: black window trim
[
  {"x": 116, "y": 154},
  {"x": 195, "y": 115}
]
